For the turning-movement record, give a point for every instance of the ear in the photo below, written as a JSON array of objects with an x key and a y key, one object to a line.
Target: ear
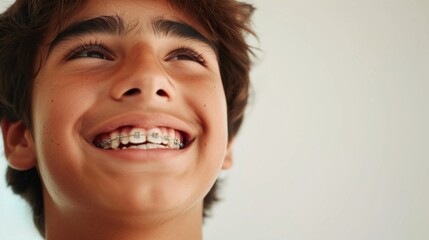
[
  {"x": 18, "y": 145},
  {"x": 227, "y": 163}
]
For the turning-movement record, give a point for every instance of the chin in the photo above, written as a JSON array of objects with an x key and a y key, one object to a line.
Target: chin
[{"x": 151, "y": 200}]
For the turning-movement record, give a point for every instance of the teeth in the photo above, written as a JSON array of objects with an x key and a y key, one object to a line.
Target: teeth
[
  {"x": 137, "y": 135},
  {"x": 115, "y": 143},
  {"x": 154, "y": 146},
  {"x": 172, "y": 135},
  {"x": 179, "y": 136},
  {"x": 146, "y": 146},
  {"x": 165, "y": 138},
  {"x": 125, "y": 139},
  {"x": 154, "y": 136},
  {"x": 142, "y": 146}
]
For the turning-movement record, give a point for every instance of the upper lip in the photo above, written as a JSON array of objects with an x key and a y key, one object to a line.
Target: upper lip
[{"x": 140, "y": 120}]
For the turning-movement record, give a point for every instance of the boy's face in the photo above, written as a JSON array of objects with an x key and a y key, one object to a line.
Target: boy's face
[{"x": 101, "y": 82}]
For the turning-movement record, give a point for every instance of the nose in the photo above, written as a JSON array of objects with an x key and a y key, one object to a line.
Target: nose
[{"x": 143, "y": 77}]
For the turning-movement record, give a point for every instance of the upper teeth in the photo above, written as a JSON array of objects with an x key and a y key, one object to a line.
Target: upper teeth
[
  {"x": 154, "y": 135},
  {"x": 169, "y": 137},
  {"x": 137, "y": 135}
]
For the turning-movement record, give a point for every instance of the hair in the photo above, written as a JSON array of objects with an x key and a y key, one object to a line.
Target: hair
[{"x": 25, "y": 24}]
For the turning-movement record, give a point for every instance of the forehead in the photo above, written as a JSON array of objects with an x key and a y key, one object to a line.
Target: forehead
[
  {"x": 126, "y": 17},
  {"x": 138, "y": 15}
]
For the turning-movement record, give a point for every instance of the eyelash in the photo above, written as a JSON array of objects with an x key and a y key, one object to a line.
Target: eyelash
[
  {"x": 87, "y": 48},
  {"x": 188, "y": 52},
  {"x": 99, "y": 47}
]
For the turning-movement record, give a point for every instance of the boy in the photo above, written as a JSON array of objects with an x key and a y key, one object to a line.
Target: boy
[{"x": 117, "y": 116}]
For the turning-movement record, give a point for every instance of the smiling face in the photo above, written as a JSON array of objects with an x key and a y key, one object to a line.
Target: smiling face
[{"x": 129, "y": 111}]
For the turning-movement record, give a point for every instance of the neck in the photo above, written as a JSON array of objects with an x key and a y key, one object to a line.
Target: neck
[{"x": 83, "y": 225}]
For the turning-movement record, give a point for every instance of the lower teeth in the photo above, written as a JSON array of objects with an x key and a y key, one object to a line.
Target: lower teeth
[{"x": 144, "y": 146}]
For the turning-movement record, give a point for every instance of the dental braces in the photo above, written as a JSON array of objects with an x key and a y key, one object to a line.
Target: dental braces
[{"x": 108, "y": 143}]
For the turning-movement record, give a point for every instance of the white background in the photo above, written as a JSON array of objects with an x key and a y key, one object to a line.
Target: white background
[{"x": 336, "y": 140}]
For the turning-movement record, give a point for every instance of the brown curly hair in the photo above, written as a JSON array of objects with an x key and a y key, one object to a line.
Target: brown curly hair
[{"x": 24, "y": 24}]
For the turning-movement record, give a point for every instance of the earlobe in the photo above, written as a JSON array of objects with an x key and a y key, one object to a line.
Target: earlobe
[
  {"x": 227, "y": 163},
  {"x": 18, "y": 145}
]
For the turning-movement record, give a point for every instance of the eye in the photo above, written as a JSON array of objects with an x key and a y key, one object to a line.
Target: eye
[
  {"x": 90, "y": 51},
  {"x": 186, "y": 54},
  {"x": 90, "y": 54}
]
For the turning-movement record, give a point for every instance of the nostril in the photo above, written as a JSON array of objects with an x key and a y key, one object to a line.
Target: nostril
[
  {"x": 133, "y": 91},
  {"x": 161, "y": 93}
]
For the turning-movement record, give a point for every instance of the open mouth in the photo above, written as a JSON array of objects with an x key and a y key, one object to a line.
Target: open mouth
[{"x": 140, "y": 138}]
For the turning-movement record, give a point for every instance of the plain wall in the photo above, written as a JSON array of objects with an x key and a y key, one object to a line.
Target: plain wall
[{"x": 336, "y": 140}]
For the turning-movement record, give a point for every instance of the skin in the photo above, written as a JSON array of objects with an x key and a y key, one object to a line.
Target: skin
[{"x": 138, "y": 78}]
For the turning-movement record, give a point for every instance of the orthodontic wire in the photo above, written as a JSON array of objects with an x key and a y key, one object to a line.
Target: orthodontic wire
[{"x": 107, "y": 142}]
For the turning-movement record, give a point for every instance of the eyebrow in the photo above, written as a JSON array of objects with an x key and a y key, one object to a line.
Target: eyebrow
[
  {"x": 115, "y": 25},
  {"x": 167, "y": 27},
  {"x": 103, "y": 24}
]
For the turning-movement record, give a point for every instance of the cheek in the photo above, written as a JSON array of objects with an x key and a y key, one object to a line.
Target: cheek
[
  {"x": 210, "y": 104},
  {"x": 213, "y": 107},
  {"x": 57, "y": 110}
]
